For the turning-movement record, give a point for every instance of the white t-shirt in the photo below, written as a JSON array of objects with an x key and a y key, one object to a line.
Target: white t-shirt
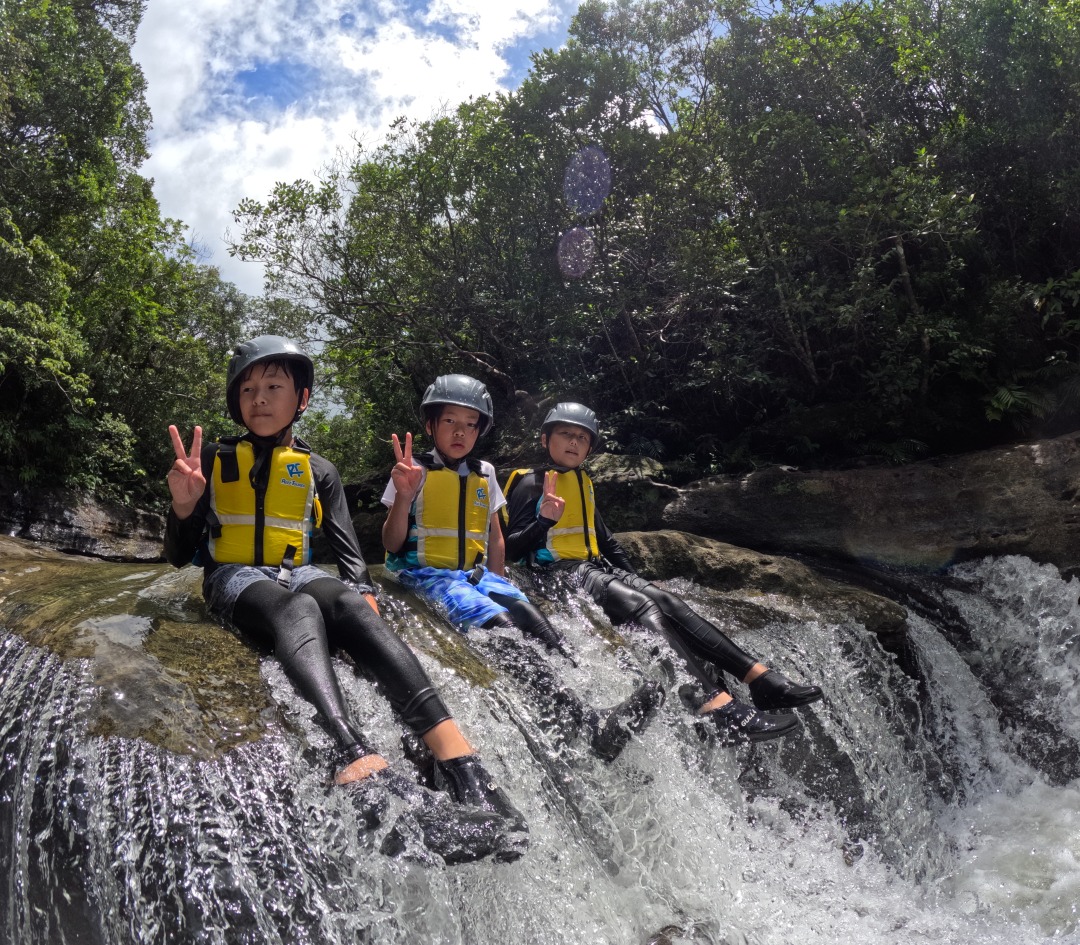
[{"x": 498, "y": 500}]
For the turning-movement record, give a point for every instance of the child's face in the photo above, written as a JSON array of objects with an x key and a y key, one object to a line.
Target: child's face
[
  {"x": 567, "y": 444},
  {"x": 268, "y": 400},
  {"x": 456, "y": 431}
]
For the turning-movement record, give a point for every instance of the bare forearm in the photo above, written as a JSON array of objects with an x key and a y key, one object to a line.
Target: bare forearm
[
  {"x": 395, "y": 529},
  {"x": 496, "y": 547}
]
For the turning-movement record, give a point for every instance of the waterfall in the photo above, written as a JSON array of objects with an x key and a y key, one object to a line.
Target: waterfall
[{"x": 162, "y": 782}]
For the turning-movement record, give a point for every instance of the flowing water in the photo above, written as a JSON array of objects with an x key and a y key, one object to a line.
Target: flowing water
[{"x": 161, "y": 782}]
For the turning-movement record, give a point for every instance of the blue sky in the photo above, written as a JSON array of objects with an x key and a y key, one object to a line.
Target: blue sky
[{"x": 246, "y": 93}]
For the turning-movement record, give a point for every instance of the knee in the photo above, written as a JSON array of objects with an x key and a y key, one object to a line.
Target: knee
[
  {"x": 666, "y": 601},
  {"x": 299, "y": 608},
  {"x": 499, "y": 621},
  {"x": 351, "y": 609},
  {"x": 647, "y": 612},
  {"x": 526, "y": 616},
  {"x": 628, "y": 605},
  {"x": 345, "y": 612},
  {"x": 297, "y": 622}
]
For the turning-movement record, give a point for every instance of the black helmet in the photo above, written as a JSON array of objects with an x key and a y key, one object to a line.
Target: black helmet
[
  {"x": 577, "y": 414},
  {"x": 462, "y": 391},
  {"x": 266, "y": 348}
]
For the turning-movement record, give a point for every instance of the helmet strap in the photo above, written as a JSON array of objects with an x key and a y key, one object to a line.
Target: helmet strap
[{"x": 262, "y": 456}]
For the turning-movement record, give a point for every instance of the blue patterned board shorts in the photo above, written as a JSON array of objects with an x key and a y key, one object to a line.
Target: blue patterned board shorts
[
  {"x": 226, "y": 583},
  {"x": 466, "y": 605}
]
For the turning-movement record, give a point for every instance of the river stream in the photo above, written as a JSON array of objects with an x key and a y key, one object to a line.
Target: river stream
[{"x": 161, "y": 782}]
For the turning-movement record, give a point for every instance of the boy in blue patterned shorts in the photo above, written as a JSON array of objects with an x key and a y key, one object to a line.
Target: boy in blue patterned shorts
[{"x": 444, "y": 542}]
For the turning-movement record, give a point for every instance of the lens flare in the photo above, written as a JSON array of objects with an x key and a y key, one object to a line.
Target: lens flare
[
  {"x": 576, "y": 252},
  {"x": 587, "y": 181}
]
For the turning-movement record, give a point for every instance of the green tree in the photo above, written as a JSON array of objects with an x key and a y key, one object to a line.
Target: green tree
[
  {"x": 109, "y": 327},
  {"x": 831, "y": 230}
]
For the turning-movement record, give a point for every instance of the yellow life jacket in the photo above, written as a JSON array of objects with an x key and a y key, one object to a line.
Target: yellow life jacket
[
  {"x": 448, "y": 521},
  {"x": 573, "y": 537},
  {"x": 278, "y": 530}
]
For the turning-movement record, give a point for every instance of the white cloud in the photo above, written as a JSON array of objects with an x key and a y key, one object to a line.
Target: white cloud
[{"x": 215, "y": 142}]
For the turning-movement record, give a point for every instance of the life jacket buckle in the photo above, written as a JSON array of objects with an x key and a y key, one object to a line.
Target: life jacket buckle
[
  {"x": 477, "y": 573},
  {"x": 288, "y": 562}
]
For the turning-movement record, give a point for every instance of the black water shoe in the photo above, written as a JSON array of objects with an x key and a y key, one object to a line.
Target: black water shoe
[
  {"x": 773, "y": 690},
  {"x": 610, "y": 731},
  {"x": 738, "y": 722},
  {"x": 432, "y": 826},
  {"x": 454, "y": 834},
  {"x": 468, "y": 782}
]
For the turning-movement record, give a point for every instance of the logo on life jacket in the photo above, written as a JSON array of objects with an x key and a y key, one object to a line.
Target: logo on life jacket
[{"x": 295, "y": 471}]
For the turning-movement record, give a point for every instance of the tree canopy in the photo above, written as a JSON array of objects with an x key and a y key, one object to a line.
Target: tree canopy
[{"x": 742, "y": 233}]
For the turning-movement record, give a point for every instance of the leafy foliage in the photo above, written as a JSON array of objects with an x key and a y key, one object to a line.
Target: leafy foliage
[
  {"x": 790, "y": 232},
  {"x": 109, "y": 327},
  {"x": 825, "y": 231}
]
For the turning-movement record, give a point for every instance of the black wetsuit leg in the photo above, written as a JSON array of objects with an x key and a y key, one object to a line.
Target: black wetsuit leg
[
  {"x": 705, "y": 638},
  {"x": 560, "y": 708},
  {"x": 628, "y": 598},
  {"x": 562, "y": 711},
  {"x": 528, "y": 619},
  {"x": 379, "y": 653},
  {"x": 294, "y": 625}
]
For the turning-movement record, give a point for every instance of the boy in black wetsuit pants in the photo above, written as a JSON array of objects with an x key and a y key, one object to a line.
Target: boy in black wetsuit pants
[
  {"x": 553, "y": 522},
  {"x": 246, "y": 506}
]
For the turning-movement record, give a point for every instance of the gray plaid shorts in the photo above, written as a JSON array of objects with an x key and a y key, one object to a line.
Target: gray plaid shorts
[{"x": 226, "y": 583}]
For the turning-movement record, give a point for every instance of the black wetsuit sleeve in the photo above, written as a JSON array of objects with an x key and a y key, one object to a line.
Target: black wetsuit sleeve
[
  {"x": 526, "y": 529},
  {"x": 337, "y": 526},
  {"x": 609, "y": 545},
  {"x": 183, "y": 537}
]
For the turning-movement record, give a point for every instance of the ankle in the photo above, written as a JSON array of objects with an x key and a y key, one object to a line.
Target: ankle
[
  {"x": 361, "y": 768},
  {"x": 758, "y": 669},
  {"x": 720, "y": 699},
  {"x": 446, "y": 741}
]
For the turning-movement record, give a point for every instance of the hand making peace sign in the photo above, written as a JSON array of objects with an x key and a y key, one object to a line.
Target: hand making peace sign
[
  {"x": 406, "y": 475},
  {"x": 186, "y": 480},
  {"x": 551, "y": 505}
]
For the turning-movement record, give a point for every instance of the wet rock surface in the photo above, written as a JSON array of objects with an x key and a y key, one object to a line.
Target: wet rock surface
[
  {"x": 1017, "y": 500},
  {"x": 68, "y": 522},
  {"x": 162, "y": 670},
  {"x": 782, "y": 583}
]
